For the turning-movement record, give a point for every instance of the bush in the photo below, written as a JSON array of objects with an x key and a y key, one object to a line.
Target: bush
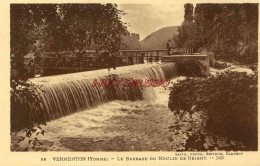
[
  {"x": 26, "y": 111},
  {"x": 229, "y": 100}
]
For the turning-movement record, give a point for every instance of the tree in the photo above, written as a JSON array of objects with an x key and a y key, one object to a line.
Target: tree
[
  {"x": 187, "y": 33},
  {"x": 228, "y": 30},
  {"x": 62, "y": 27}
]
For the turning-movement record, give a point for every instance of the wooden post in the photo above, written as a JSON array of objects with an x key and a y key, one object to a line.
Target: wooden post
[
  {"x": 136, "y": 57},
  {"x": 147, "y": 59},
  {"x": 157, "y": 58}
]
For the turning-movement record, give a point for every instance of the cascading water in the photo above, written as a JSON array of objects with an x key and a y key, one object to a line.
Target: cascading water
[{"x": 69, "y": 93}]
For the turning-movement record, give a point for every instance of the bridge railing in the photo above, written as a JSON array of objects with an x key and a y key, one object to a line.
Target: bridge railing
[{"x": 92, "y": 60}]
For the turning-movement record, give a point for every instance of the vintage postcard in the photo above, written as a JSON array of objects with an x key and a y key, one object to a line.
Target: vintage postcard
[{"x": 129, "y": 83}]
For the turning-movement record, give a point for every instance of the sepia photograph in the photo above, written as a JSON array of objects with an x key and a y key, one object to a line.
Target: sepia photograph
[{"x": 105, "y": 77}]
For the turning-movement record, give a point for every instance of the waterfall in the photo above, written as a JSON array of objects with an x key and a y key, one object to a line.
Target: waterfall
[{"x": 65, "y": 94}]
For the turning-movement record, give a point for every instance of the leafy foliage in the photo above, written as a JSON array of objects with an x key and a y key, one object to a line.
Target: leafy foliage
[
  {"x": 229, "y": 100},
  {"x": 27, "y": 113},
  {"x": 30, "y": 135},
  {"x": 188, "y": 36},
  {"x": 25, "y": 106},
  {"x": 62, "y": 27},
  {"x": 228, "y": 30}
]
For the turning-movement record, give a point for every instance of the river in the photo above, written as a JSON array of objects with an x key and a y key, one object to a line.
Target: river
[{"x": 119, "y": 125}]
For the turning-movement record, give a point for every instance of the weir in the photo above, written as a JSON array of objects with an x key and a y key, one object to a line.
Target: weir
[{"x": 69, "y": 93}]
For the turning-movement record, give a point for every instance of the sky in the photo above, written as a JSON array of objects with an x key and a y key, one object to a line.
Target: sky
[{"x": 147, "y": 18}]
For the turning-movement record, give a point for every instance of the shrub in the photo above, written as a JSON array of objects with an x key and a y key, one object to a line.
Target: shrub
[
  {"x": 25, "y": 106},
  {"x": 26, "y": 113},
  {"x": 229, "y": 100}
]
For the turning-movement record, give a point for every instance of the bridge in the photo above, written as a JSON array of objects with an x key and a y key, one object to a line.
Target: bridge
[{"x": 87, "y": 60}]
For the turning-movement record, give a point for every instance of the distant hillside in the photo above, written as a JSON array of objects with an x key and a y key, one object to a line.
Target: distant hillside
[{"x": 159, "y": 38}]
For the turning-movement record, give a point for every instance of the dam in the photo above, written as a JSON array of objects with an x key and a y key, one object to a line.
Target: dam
[
  {"x": 69, "y": 93},
  {"x": 62, "y": 95}
]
